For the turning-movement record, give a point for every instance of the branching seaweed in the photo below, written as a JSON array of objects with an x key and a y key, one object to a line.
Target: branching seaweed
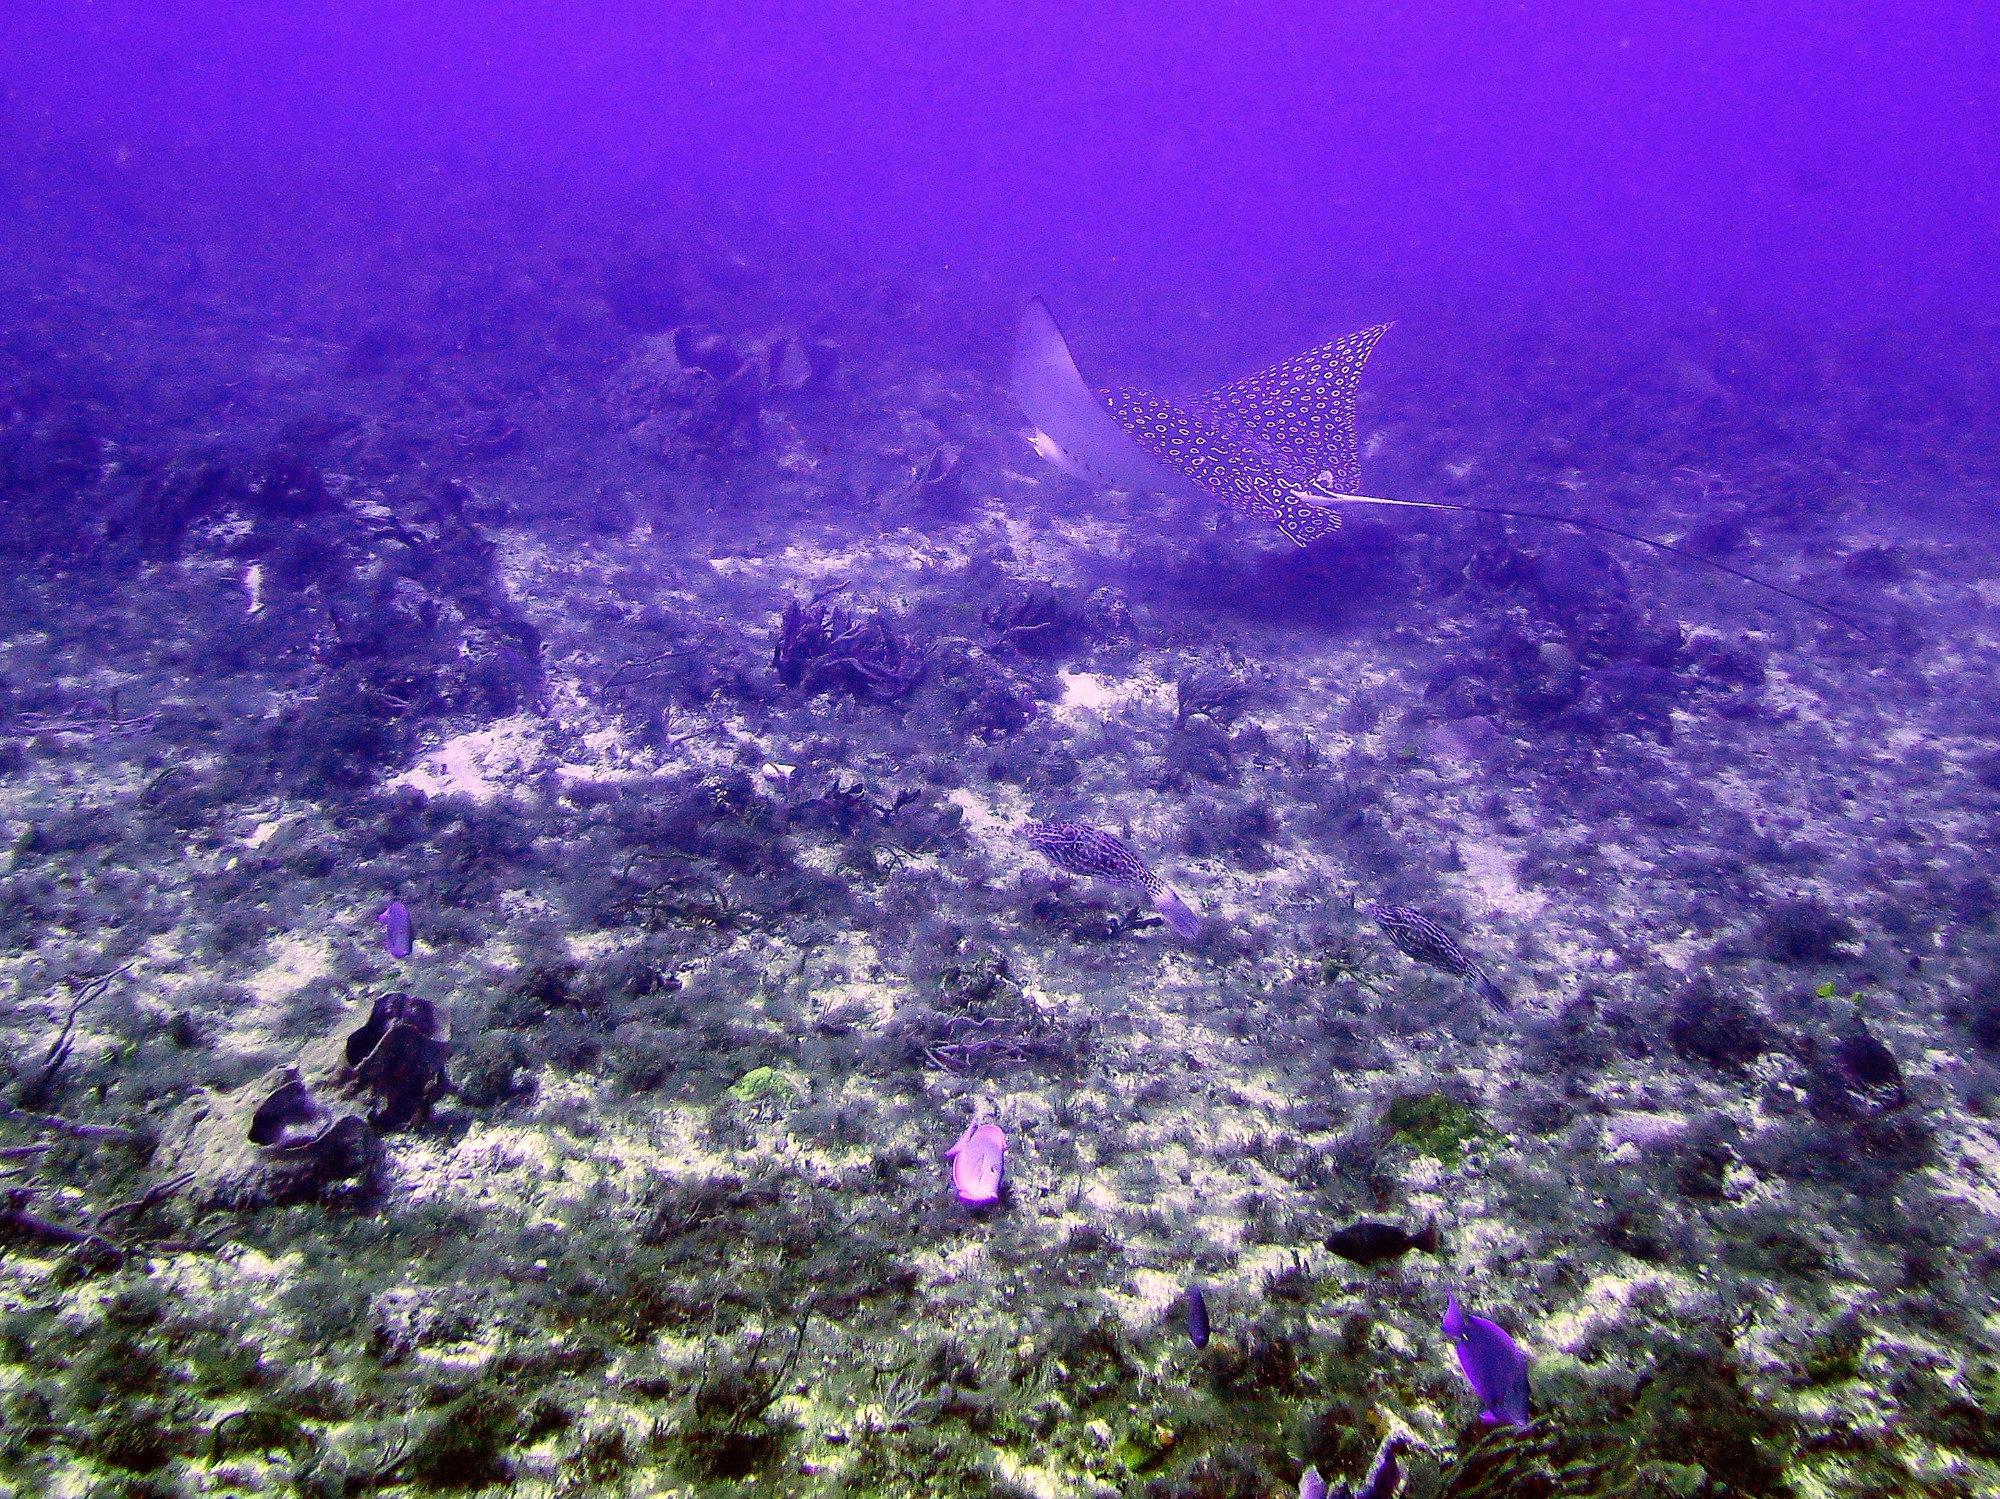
[
  {"x": 83, "y": 989},
  {"x": 1218, "y": 698},
  {"x": 989, "y": 1024},
  {"x": 1037, "y": 625},
  {"x": 725, "y": 1433},
  {"x": 824, "y": 648}
]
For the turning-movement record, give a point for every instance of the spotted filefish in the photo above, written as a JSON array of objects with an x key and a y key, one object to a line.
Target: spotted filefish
[
  {"x": 1423, "y": 940},
  {"x": 1095, "y": 854}
]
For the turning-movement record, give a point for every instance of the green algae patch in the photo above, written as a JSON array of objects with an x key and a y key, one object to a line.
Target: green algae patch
[
  {"x": 765, "y": 1085},
  {"x": 1430, "y": 1124}
]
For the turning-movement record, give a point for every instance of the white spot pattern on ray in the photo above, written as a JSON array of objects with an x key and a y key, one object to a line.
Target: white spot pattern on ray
[
  {"x": 1240, "y": 472},
  {"x": 1304, "y": 407}
]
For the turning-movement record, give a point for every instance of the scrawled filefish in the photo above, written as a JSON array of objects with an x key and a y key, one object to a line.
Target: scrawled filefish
[
  {"x": 1081, "y": 849},
  {"x": 1423, "y": 940}
]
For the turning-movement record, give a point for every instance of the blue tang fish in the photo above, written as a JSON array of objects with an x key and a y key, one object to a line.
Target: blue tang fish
[
  {"x": 1493, "y": 1363},
  {"x": 397, "y": 933}
]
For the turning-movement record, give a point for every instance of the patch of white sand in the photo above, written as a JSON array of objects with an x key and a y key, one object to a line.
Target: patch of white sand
[
  {"x": 1085, "y": 693},
  {"x": 482, "y": 764},
  {"x": 1489, "y": 871}
]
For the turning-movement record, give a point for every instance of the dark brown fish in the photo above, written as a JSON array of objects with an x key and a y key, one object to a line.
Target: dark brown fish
[{"x": 1368, "y": 1243}]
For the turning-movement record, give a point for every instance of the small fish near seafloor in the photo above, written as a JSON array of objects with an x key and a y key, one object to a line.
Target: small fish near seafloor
[
  {"x": 1423, "y": 941},
  {"x": 1080, "y": 849},
  {"x": 1370, "y": 1243},
  {"x": 1493, "y": 1363},
  {"x": 1385, "y": 1474},
  {"x": 397, "y": 931},
  {"x": 1197, "y": 1317},
  {"x": 978, "y": 1164}
]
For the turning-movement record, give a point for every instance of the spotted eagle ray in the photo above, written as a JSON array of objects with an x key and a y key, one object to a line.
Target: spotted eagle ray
[{"x": 1278, "y": 446}]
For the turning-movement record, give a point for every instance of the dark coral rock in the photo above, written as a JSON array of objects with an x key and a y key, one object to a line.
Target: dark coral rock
[
  {"x": 1701, "y": 1170},
  {"x": 1980, "y": 1014},
  {"x": 1734, "y": 668},
  {"x": 1107, "y": 614},
  {"x": 290, "y": 1118},
  {"x": 711, "y": 353},
  {"x": 1693, "y": 1409},
  {"x": 1869, "y": 1070},
  {"x": 689, "y": 394},
  {"x": 937, "y": 482},
  {"x": 1575, "y": 578},
  {"x": 1464, "y": 696},
  {"x": 465, "y": 1446},
  {"x": 1640, "y": 1232},
  {"x": 1719, "y": 534},
  {"x": 1548, "y": 679},
  {"x": 1802, "y": 933},
  {"x": 397, "y": 1056},
  {"x": 796, "y": 364},
  {"x": 986, "y": 701},
  {"x": 1632, "y": 695},
  {"x": 497, "y": 1070},
  {"x": 271, "y": 1141},
  {"x": 1338, "y": 1439},
  {"x": 1876, "y": 564},
  {"x": 1974, "y": 900},
  {"x": 1718, "y": 1028}
]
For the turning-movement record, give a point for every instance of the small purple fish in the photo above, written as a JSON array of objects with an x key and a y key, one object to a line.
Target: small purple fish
[
  {"x": 396, "y": 930},
  {"x": 1492, "y": 1361},
  {"x": 978, "y": 1161},
  {"x": 1385, "y": 1474},
  {"x": 1197, "y": 1310},
  {"x": 1095, "y": 854}
]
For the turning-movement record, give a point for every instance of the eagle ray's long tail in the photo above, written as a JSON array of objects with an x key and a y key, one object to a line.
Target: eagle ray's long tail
[{"x": 1327, "y": 498}]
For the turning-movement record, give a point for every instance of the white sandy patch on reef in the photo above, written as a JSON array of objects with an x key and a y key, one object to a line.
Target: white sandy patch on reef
[
  {"x": 899, "y": 554},
  {"x": 1489, "y": 873},
  {"x": 296, "y": 960},
  {"x": 261, "y": 834},
  {"x": 992, "y": 818},
  {"x": 1084, "y": 693},
  {"x": 1153, "y": 1293},
  {"x": 482, "y": 764},
  {"x": 1606, "y": 1302},
  {"x": 1038, "y": 1481},
  {"x": 1642, "y": 1128}
]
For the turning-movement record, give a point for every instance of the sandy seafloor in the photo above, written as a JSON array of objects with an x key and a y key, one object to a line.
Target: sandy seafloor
[{"x": 1704, "y": 839}]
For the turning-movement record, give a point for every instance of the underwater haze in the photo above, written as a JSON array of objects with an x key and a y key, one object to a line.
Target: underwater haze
[{"x": 1044, "y": 751}]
